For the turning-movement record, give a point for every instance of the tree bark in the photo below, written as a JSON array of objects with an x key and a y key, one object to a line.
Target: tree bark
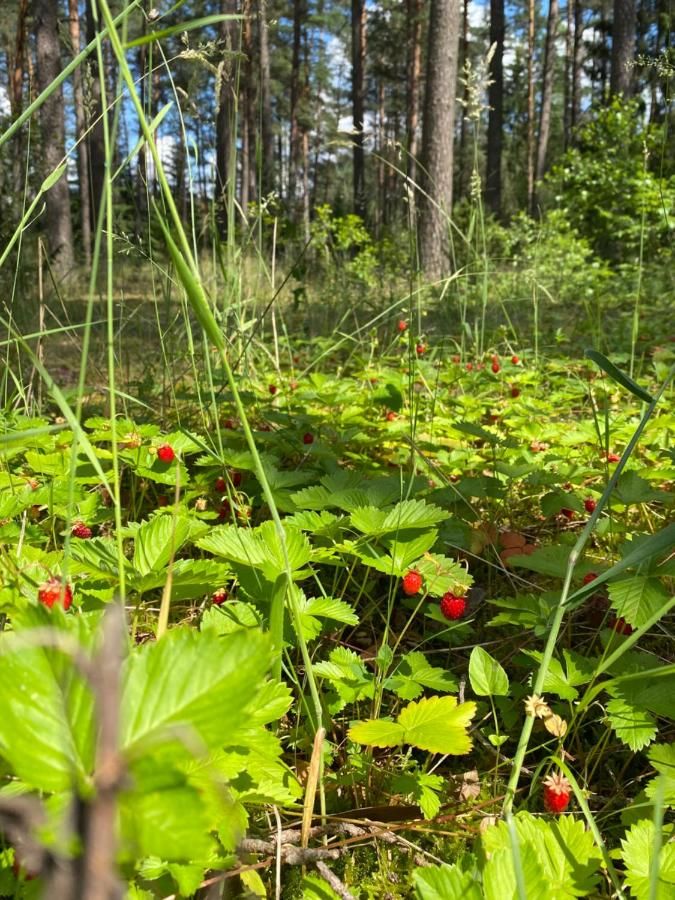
[
  {"x": 58, "y": 223},
  {"x": 414, "y": 9},
  {"x": 358, "y": 104},
  {"x": 530, "y": 106},
  {"x": 295, "y": 148},
  {"x": 438, "y": 135},
  {"x": 267, "y": 165},
  {"x": 15, "y": 69},
  {"x": 577, "y": 61},
  {"x": 547, "y": 89},
  {"x": 96, "y": 148},
  {"x": 493, "y": 178},
  {"x": 80, "y": 128},
  {"x": 465, "y": 164},
  {"x": 623, "y": 47},
  {"x": 226, "y": 122},
  {"x": 567, "y": 77}
]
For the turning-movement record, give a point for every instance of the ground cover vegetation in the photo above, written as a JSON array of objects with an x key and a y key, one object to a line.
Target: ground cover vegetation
[{"x": 336, "y": 535}]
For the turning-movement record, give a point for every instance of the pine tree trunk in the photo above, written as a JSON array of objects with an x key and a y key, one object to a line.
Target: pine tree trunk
[
  {"x": 226, "y": 122},
  {"x": 623, "y": 47},
  {"x": 58, "y": 223},
  {"x": 547, "y": 90},
  {"x": 414, "y": 8},
  {"x": 267, "y": 164},
  {"x": 438, "y": 135},
  {"x": 493, "y": 180},
  {"x": 577, "y": 62},
  {"x": 15, "y": 67},
  {"x": 358, "y": 104},
  {"x": 295, "y": 148},
  {"x": 567, "y": 77},
  {"x": 80, "y": 128},
  {"x": 96, "y": 142},
  {"x": 464, "y": 163},
  {"x": 530, "y": 106}
]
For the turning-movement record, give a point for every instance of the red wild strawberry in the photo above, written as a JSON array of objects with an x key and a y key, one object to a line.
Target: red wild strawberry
[
  {"x": 272, "y": 389},
  {"x": 621, "y": 626},
  {"x": 515, "y": 359},
  {"x": 455, "y": 358},
  {"x": 469, "y": 367},
  {"x": 80, "y": 530},
  {"x": 293, "y": 384},
  {"x": 412, "y": 583},
  {"x": 589, "y": 505},
  {"x": 236, "y": 478},
  {"x": 590, "y": 576},
  {"x": 166, "y": 453},
  {"x": 54, "y": 591},
  {"x": 230, "y": 424},
  {"x": 220, "y": 485},
  {"x": 225, "y": 509},
  {"x": 402, "y": 325},
  {"x": 391, "y": 416},
  {"x": 162, "y": 500},
  {"x": 495, "y": 367},
  {"x": 420, "y": 349},
  {"x": 567, "y": 512},
  {"x": 515, "y": 392},
  {"x": 453, "y": 607},
  {"x": 557, "y": 791},
  {"x": 613, "y": 457},
  {"x": 308, "y": 438},
  {"x": 219, "y": 596}
]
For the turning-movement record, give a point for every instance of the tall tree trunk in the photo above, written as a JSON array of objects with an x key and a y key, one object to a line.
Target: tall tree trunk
[
  {"x": 438, "y": 135},
  {"x": 358, "y": 104},
  {"x": 414, "y": 9},
  {"x": 226, "y": 122},
  {"x": 493, "y": 179},
  {"x": 295, "y": 137},
  {"x": 465, "y": 165},
  {"x": 380, "y": 210},
  {"x": 267, "y": 163},
  {"x": 530, "y": 106},
  {"x": 623, "y": 47},
  {"x": 577, "y": 62},
  {"x": 96, "y": 141},
  {"x": 547, "y": 90},
  {"x": 247, "y": 134},
  {"x": 567, "y": 77},
  {"x": 58, "y": 223},
  {"x": 15, "y": 65},
  {"x": 80, "y": 128}
]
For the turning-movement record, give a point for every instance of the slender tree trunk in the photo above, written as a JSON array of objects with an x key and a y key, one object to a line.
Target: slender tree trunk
[
  {"x": 58, "y": 223},
  {"x": 547, "y": 90},
  {"x": 80, "y": 127},
  {"x": 247, "y": 147},
  {"x": 493, "y": 180},
  {"x": 465, "y": 165},
  {"x": 15, "y": 65},
  {"x": 577, "y": 62},
  {"x": 226, "y": 122},
  {"x": 358, "y": 104},
  {"x": 438, "y": 135},
  {"x": 530, "y": 106},
  {"x": 380, "y": 211},
  {"x": 295, "y": 148},
  {"x": 96, "y": 142},
  {"x": 567, "y": 94},
  {"x": 623, "y": 47},
  {"x": 267, "y": 163},
  {"x": 414, "y": 8}
]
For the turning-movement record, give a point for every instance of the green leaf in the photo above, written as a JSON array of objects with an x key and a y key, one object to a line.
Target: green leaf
[
  {"x": 438, "y": 724},
  {"x": 637, "y": 599},
  {"x": 191, "y": 688},
  {"x": 558, "y": 681},
  {"x": 421, "y": 787},
  {"x": 316, "y": 608},
  {"x": 414, "y": 673},
  {"x": 499, "y": 877},
  {"x": 445, "y": 882},
  {"x": 155, "y": 540},
  {"x": 405, "y": 515},
  {"x": 551, "y": 561},
  {"x": 634, "y": 726},
  {"x": 442, "y": 574},
  {"x": 259, "y": 548},
  {"x": 377, "y": 733},
  {"x": 638, "y": 856},
  {"x": 617, "y": 375},
  {"x": 488, "y": 678},
  {"x": 631, "y": 488}
]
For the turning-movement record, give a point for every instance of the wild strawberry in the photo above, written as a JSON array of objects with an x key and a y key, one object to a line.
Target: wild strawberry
[
  {"x": 166, "y": 453},
  {"x": 420, "y": 349},
  {"x": 272, "y": 389},
  {"x": 455, "y": 358},
  {"x": 236, "y": 479},
  {"x": 218, "y": 597},
  {"x": 613, "y": 457},
  {"x": 220, "y": 485},
  {"x": 230, "y": 424},
  {"x": 557, "y": 791},
  {"x": 54, "y": 591},
  {"x": 567, "y": 512},
  {"x": 469, "y": 367},
  {"x": 590, "y": 576},
  {"x": 412, "y": 583},
  {"x": 515, "y": 392},
  {"x": 308, "y": 438},
  {"x": 589, "y": 505},
  {"x": 402, "y": 325},
  {"x": 621, "y": 626},
  {"x": 495, "y": 367},
  {"x": 33, "y": 484},
  {"x": 515, "y": 359},
  {"x": 453, "y": 607},
  {"x": 225, "y": 509},
  {"x": 162, "y": 500},
  {"x": 131, "y": 441},
  {"x": 293, "y": 384},
  {"x": 391, "y": 416},
  {"x": 80, "y": 530}
]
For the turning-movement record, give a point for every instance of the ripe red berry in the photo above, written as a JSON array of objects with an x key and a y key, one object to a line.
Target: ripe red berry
[
  {"x": 515, "y": 392},
  {"x": 80, "y": 530},
  {"x": 308, "y": 438},
  {"x": 567, "y": 512},
  {"x": 273, "y": 389},
  {"x": 165, "y": 453},
  {"x": 220, "y": 485},
  {"x": 162, "y": 500},
  {"x": 236, "y": 478},
  {"x": 469, "y": 367},
  {"x": 54, "y": 591},
  {"x": 453, "y": 607},
  {"x": 557, "y": 791},
  {"x": 420, "y": 349},
  {"x": 613, "y": 457},
  {"x": 391, "y": 416},
  {"x": 455, "y": 358},
  {"x": 219, "y": 596},
  {"x": 621, "y": 626},
  {"x": 495, "y": 367},
  {"x": 225, "y": 509},
  {"x": 590, "y": 576},
  {"x": 412, "y": 583},
  {"x": 515, "y": 359},
  {"x": 589, "y": 505},
  {"x": 230, "y": 424},
  {"x": 402, "y": 325}
]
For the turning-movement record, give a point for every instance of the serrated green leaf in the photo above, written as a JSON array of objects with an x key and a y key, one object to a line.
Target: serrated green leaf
[
  {"x": 155, "y": 540},
  {"x": 414, "y": 673},
  {"x": 377, "y": 733},
  {"x": 445, "y": 882},
  {"x": 488, "y": 677},
  {"x": 638, "y": 854},
  {"x": 637, "y": 599},
  {"x": 442, "y": 574},
  {"x": 634, "y": 726},
  {"x": 259, "y": 548}
]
